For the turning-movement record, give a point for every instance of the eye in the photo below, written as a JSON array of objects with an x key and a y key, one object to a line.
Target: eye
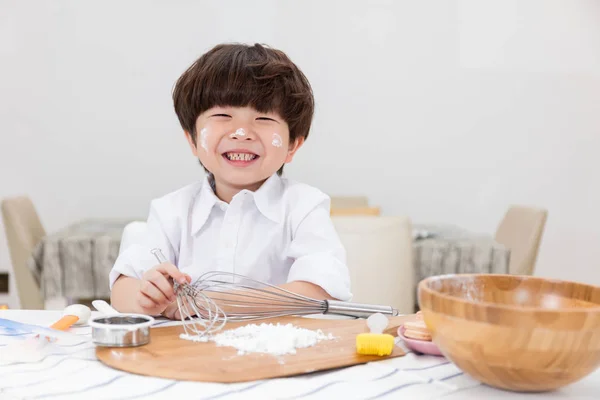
[
  {"x": 266, "y": 119},
  {"x": 221, "y": 115}
]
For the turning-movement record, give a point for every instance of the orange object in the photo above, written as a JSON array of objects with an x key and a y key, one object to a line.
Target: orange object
[{"x": 65, "y": 322}]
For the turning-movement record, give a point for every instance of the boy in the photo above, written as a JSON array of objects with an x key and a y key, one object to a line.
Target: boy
[{"x": 245, "y": 111}]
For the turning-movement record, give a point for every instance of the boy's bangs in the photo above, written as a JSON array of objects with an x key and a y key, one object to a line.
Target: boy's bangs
[
  {"x": 245, "y": 76},
  {"x": 243, "y": 86}
]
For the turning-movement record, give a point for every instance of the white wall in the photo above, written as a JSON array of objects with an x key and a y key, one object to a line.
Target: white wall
[{"x": 445, "y": 111}]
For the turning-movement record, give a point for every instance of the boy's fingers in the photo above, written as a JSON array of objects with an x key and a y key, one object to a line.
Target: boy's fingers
[
  {"x": 145, "y": 302},
  {"x": 173, "y": 271},
  {"x": 170, "y": 311},
  {"x": 155, "y": 294},
  {"x": 176, "y": 315},
  {"x": 162, "y": 284}
]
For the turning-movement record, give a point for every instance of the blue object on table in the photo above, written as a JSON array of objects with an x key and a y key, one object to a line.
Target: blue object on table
[{"x": 34, "y": 329}]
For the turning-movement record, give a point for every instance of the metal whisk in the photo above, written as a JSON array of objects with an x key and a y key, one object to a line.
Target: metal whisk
[
  {"x": 199, "y": 314},
  {"x": 218, "y": 297}
]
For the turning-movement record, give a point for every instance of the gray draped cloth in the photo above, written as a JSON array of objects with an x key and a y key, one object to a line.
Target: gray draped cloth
[
  {"x": 450, "y": 250},
  {"x": 75, "y": 262},
  {"x": 441, "y": 250}
]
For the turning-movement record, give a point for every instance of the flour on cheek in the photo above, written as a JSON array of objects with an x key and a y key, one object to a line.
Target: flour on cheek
[
  {"x": 276, "y": 140},
  {"x": 204, "y": 138}
]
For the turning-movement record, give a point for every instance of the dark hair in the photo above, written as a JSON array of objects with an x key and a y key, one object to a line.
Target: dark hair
[{"x": 239, "y": 75}]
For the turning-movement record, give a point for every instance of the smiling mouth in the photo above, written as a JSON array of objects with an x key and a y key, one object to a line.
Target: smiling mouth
[{"x": 240, "y": 158}]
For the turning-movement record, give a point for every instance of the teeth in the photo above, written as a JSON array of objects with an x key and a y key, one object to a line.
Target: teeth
[{"x": 240, "y": 156}]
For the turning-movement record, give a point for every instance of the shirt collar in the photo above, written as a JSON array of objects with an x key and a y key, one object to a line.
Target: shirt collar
[
  {"x": 267, "y": 199},
  {"x": 202, "y": 205}
]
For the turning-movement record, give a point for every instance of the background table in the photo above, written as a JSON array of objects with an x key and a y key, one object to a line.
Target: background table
[
  {"x": 85, "y": 253},
  {"x": 453, "y": 250},
  {"x": 75, "y": 262}
]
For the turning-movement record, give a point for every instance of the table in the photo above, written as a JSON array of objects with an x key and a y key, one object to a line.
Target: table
[
  {"x": 86, "y": 252},
  {"x": 446, "y": 249},
  {"x": 73, "y": 372}
]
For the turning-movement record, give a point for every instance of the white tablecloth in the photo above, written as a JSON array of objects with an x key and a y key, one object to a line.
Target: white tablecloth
[{"x": 73, "y": 372}]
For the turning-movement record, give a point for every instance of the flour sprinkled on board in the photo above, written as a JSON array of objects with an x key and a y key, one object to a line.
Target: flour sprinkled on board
[{"x": 265, "y": 338}]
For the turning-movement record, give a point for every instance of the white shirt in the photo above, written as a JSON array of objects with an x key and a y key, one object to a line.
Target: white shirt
[{"x": 280, "y": 233}]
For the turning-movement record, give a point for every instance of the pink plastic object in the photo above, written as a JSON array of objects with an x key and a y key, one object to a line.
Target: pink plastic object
[{"x": 420, "y": 346}]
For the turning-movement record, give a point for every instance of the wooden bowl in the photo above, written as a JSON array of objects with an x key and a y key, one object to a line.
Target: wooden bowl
[{"x": 518, "y": 333}]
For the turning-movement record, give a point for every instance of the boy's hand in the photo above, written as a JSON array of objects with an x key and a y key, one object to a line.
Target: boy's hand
[
  {"x": 172, "y": 310},
  {"x": 156, "y": 288}
]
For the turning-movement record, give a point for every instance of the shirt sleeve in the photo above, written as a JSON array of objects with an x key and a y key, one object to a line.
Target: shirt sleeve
[
  {"x": 137, "y": 258},
  {"x": 319, "y": 256}
]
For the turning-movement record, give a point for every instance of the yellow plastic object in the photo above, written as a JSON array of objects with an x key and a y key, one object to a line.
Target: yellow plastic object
[{"x": 380, "y": 344}]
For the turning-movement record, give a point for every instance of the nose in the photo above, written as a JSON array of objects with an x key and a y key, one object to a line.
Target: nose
[{"x": 242, "y": 134}]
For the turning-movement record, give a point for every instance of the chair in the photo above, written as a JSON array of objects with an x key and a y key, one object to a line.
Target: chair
[
  {"x": 521, "y": 231},
  {"x": 349, "y": 201},
  {"x": 373, "y": 211},
  {"x": 379, "y": 257},
  {"x": 24, "y": 231}
]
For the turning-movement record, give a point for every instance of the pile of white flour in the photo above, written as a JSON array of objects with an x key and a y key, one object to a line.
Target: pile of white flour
[{"x": 265, "y": 338}]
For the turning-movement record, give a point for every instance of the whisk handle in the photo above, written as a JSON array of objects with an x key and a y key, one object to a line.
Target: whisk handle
[
  {"x": 159, "y": 255},
  {"x": 357, "y": 310}
]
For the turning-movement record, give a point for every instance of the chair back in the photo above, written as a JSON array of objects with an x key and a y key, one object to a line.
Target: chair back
[
  {"x": 24, "y": 231},
  {"x": 349, "y": 201},
  {"x": 379, "y": 257},
  {"x": 374, "y": 211},
  {"x": 521, "y": 231}
]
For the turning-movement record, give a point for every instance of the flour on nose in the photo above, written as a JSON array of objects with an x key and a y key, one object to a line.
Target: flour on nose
[{"x": 240, "y": 132}]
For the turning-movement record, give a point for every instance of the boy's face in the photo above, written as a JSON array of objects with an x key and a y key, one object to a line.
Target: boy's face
[{"x": 242, "y": 147}]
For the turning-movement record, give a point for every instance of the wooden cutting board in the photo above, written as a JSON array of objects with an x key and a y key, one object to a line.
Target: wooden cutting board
[{"x": 168, "y": 356}]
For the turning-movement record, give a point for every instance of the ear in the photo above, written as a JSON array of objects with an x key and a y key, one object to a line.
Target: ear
[
  {"x": 190, "y": 140},
  {"x": 293, "y": 149}
]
